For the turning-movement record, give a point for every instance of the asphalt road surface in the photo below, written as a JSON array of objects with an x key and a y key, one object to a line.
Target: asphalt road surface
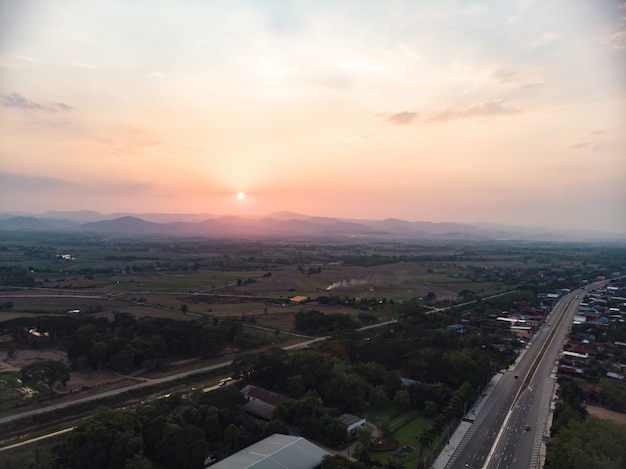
[
  {"x": 95, "y": 397},
  {"x": 509, "y": 428},
  {"x": 522, "y": 437}
]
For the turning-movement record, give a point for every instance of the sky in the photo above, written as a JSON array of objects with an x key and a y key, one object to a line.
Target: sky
[{"x": 498, "y": 111}]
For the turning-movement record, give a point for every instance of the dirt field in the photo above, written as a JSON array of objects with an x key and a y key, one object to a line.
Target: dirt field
[
  {"x": 78, "y": 379},
  {"x": 605, "y": 414}
]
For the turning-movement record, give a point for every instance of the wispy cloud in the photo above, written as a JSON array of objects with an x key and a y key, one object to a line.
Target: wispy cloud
[
  {"x": 23, "y": 182},
  {"x": 18, "y": 101},
  {"x": 544, "y": 38},
  {"x": 129, "y": 144},
  {"x": 516, "y": 78},
  {"x": 619, "y": 40},
  {"x": 402, "y": 118},
  {"x": 503, "y": 76},
  {"x": 492, "y": 108},
  {"x": 590, "y": 147},
  {"x": 26, "y": 58},
  {"x": 47, "y": 185},
  {"x": 81, "y": 65}
]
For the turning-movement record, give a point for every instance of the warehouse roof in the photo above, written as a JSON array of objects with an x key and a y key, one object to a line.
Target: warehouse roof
[{"x": 276, "y": 452}]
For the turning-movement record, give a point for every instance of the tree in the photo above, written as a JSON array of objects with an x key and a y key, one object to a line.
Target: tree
[
  {"x": 592, "y": 444},
  {"x": 275, "y": 426},
  {"x": 346, "y": 392},
  {"x": 334, "y": 429},
  {"x": 364, "y": 439},
  {"x": 124, "y": 360},
  {"x": 138, "y": 461},
  {"x": 48, "y": 372},
  {"x": 109, "y": 439},
  {"x": 188, "y": 448},
  {"x": 232, "y": 434},
  {"x": 377, "y": 397},
  {"x": 430, "y": 409},
  {"x": 402, "y": 400},
  {"x": 99, "y": 353},
  {"x": 385, "y": 428},
  {"x": 426, "y": 439}
]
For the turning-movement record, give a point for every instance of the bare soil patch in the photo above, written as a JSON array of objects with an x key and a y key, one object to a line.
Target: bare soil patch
[
  {"x": 606, "y": 414},
  {"x": 78, "y": 379}
]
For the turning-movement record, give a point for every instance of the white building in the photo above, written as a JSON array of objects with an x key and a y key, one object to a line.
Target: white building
[{"x": 353, "y": 422}]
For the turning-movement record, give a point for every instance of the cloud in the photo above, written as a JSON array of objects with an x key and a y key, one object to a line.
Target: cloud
[
  {"x": 20, "y": 183},
  {"x": 27, "y": 58},
  {"x": 81, "y": 65},
  {"x": 619, "y": 39},
  {"x": 589, "y": 147},
  {"x": 402, "y": 118},
  {"x": 533, "y": 84},
  {"x": 503, "y": 76},
  {"x": 520, "y": 79},
  {"x": 494, "y": 107},
  {"x": 129, "y": 143},
  {"x": 544, "y": 38},
  {"x": 19, "y": 101},
  {"x": 23, "y": 182}
]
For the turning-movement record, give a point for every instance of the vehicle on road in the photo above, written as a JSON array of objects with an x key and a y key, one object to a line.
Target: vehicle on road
[{"x": 224, "y": 381}]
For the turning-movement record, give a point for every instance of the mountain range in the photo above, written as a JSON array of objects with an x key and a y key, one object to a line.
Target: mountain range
[{"x": 284, "y": 225}]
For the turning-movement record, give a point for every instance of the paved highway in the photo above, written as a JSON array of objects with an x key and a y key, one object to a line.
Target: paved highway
[
  {"x": 521, "y": 442},
  {"x": 95, "y": 397},
  {"x": 498, "y": 437}
]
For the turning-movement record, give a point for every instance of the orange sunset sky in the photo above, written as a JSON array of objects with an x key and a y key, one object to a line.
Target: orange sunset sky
[{"x": 497, "y": 111}]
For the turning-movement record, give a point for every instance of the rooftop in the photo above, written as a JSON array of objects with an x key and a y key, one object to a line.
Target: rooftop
[{"x": 276, "y": 452}]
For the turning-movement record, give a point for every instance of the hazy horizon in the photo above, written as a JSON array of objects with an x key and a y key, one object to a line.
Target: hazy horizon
[{"x": 485, "y": 111}]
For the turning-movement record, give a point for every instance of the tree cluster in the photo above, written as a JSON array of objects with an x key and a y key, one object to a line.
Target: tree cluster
[
  {"x": 317, "y": 323},
  {"x": 579, "y": 441},
  {"x": 128, "y": 343},
  {"x": 172, "y": 432},
  {"x": 16, "y": 276}
]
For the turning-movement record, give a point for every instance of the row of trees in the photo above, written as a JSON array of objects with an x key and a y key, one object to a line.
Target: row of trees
[
  {"x": 16, "y": 276},
  {"x": 128, "y": 343},
  {"x": 317, "y": 323},
  {"x": 173, "y": 432}
]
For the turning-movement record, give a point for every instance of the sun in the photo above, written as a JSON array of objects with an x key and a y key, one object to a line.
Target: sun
[{"x": 241, "y": 195}]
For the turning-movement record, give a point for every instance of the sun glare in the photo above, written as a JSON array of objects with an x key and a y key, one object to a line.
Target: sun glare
[{"x": 240, "y": 195}]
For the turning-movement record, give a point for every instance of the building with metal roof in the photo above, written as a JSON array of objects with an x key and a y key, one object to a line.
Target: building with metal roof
[{"x": 276, "y": 452}]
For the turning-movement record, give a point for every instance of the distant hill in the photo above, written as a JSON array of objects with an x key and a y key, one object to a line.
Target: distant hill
[
  {"x": 286, "y": 225},
  {"x": 29, "y": 223},
  {"x": 125, "y": 225}
]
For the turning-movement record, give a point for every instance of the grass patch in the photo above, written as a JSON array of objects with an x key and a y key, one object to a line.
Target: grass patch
[
  {"x": 407, "y": 433},
  {"x": 13, "y": 392}
]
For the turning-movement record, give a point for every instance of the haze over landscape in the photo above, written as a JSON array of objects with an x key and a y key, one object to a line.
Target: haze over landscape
[{"x": 503, "y": 112}]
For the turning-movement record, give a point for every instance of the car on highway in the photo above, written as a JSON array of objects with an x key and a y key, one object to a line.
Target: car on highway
[{"x": 527, "y": 428}]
